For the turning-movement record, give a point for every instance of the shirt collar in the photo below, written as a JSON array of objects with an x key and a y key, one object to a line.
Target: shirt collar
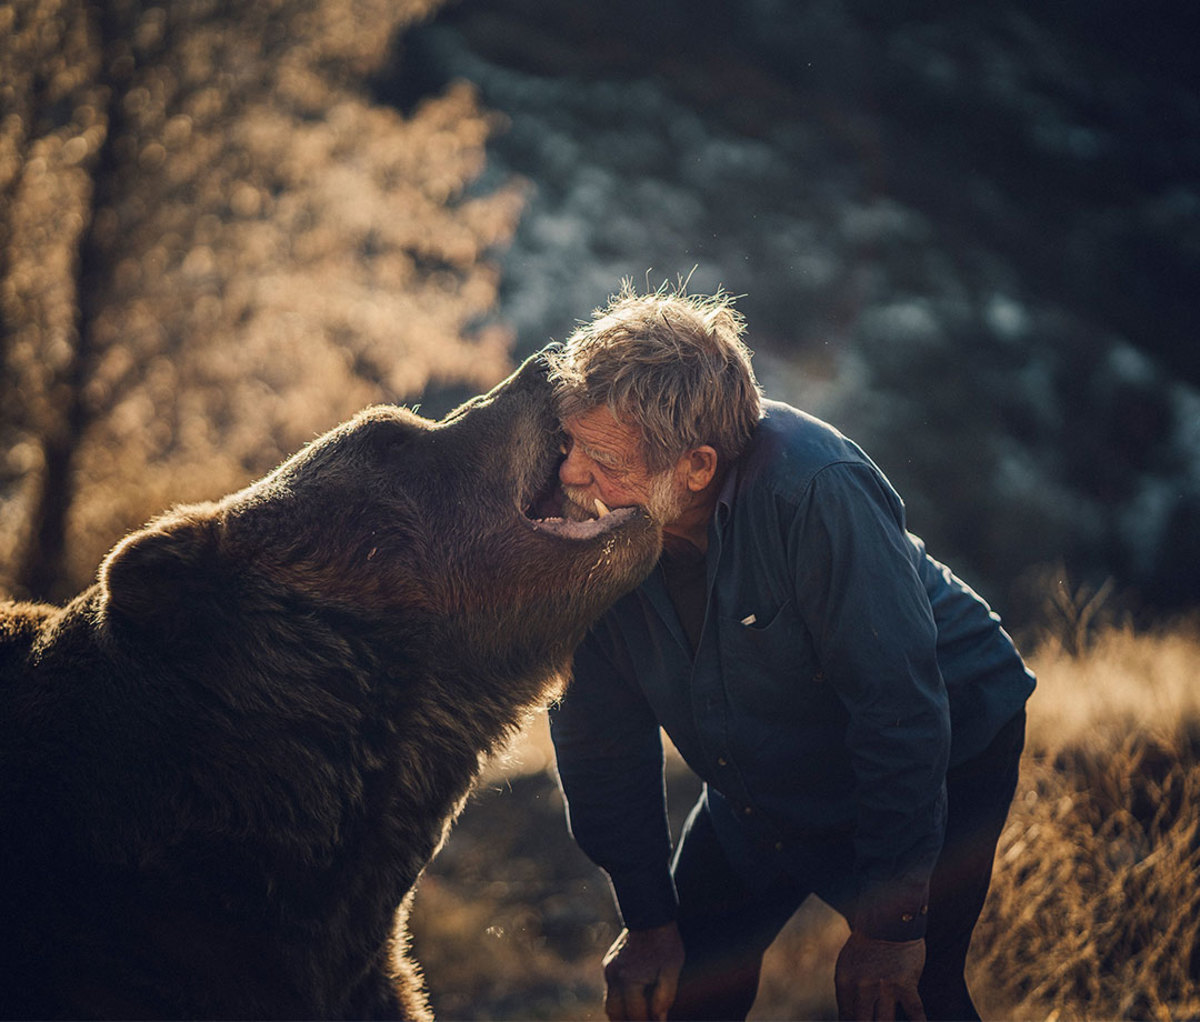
[
  {"x": 728, "y": 488},
  {"x": 724, "y": 505}
]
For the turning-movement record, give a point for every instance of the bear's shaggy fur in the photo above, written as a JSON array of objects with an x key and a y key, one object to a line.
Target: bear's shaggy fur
[{"x": 224, "y": 765}]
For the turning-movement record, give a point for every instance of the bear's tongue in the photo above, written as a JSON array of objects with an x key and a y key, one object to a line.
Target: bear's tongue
[{"x": 570, "y": 527}]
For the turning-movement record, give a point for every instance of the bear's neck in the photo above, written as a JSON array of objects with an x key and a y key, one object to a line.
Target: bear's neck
[{"x": 415, "y": 715}]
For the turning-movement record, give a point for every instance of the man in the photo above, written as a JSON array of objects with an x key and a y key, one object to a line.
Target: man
[{"x": 855, "y": 711}]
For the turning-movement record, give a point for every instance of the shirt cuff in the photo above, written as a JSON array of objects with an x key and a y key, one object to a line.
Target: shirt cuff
[
  {"x": 646, "y": 898},
  {"x": 895, "y": 916}
]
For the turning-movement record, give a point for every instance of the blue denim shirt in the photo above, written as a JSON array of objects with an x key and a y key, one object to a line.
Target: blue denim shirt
[{"x": 840, "y": 669}]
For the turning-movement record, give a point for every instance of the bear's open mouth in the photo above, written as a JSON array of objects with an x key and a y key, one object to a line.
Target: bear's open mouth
[{"x": 552, "y": 511}]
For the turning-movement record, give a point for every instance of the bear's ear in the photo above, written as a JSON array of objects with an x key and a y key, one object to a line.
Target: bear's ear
[{"x": 151, "y": 576}]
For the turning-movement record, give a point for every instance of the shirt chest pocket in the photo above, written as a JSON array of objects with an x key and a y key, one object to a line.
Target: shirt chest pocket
[{"x": 768, "y": 660}]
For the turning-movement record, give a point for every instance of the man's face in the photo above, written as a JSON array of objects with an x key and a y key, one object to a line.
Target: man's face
[{"x": 604, "y": 460}]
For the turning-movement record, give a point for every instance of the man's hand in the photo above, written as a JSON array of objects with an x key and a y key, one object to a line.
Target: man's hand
[
  {"x": 873, "y": 977},
  {"x": 641, "y": 971}
]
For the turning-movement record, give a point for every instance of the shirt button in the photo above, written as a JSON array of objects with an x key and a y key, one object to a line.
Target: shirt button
[
  {"x": 779, "y": 846},
  {"x": 722, "y": 761},
  {"x": 907, "y": 917},
  {"x": 746, "y": 810}
]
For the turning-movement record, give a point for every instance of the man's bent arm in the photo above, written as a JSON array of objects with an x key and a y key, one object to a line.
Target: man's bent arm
[
  {"x": 861, "y": 595},
  {"x": 610, "y": 766}
]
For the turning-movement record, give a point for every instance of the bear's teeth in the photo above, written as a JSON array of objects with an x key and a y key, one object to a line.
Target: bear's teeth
[{"x": 601, "y": 508}]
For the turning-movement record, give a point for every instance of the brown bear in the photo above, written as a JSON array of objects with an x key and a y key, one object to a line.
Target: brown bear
[{"x": 224, "y": 766}]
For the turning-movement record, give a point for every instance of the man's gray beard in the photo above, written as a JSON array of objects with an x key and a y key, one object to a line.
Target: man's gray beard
[{"x": 668, "y": 500}]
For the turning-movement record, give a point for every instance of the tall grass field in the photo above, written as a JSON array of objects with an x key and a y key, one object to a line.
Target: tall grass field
[{"x": 1094, "y": 908}]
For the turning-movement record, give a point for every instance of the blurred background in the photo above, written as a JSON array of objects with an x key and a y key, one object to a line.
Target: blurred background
[{"x": 968, "y": 235}]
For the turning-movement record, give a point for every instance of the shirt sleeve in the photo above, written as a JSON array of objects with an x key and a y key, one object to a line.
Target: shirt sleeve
[
  {"x": 859, "y": 590},
  {"x": 610, "y": 765}
]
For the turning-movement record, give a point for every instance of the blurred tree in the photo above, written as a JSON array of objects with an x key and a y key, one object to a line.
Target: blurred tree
[{"x": 213, "y": 245}]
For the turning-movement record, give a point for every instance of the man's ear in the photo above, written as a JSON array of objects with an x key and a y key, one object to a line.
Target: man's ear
[
  {"x": 700, "y": 464},
  {"x": 151, "y": 576}
]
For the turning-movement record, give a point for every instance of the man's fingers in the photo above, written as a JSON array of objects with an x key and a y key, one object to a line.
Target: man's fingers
[
  {"x": 871, "y": 1003},
  {"x": 641, "y": 973},
  {"x": 910, "y": 1001},
  {"x": 662, "y": 997},
  {"x": 845, "y": 1008},
  {"x": 636, "y": 1005},
  {"x": 614, "y": 1004},
  {"x": 868, "y": 1002},
  {"x": 877, "y": 978},
  {"x": 852, "y": 1004}
]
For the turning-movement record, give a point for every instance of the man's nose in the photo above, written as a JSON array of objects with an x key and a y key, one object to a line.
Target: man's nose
[{"x": 573, "y": 471}]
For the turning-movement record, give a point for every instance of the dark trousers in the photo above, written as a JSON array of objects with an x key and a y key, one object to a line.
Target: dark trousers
[{"x": 727, "y": 921}]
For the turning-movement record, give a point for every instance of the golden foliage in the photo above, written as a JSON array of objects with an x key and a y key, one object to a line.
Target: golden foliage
[{"x": 215, "y": 245}]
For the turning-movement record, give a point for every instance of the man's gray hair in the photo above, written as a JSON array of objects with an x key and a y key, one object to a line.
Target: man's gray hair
[{"x": 671, "y": 365}]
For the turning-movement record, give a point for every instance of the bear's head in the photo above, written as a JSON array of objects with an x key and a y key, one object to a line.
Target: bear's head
[{"x": 396, "y": 519}]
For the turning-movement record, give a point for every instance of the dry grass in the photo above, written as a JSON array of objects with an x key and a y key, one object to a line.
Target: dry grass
[{"x": 1094, "y": 907}]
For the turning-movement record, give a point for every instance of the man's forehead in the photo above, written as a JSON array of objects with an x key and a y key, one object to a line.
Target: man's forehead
[{"x": 598, "y": 427}]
